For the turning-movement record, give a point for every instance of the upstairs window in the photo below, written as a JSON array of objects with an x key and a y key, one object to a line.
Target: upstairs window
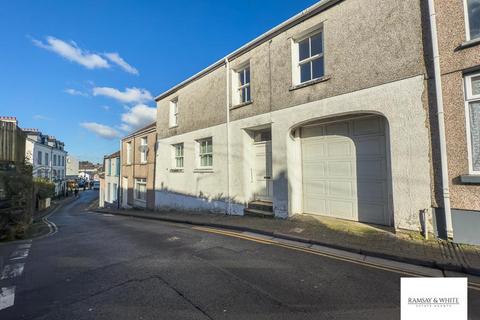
[
  {"x": 129, "y": 152},
  {"x": 308, "y": 58},
  {"x": 54, "y": 159},
  {"x": 472, "y": 85},
  {"x": 205, "y": 153},
  {"x": 243, "y": 91},
  {"x": 46, "y": 159},
  {"x": 472, "y": 17},
  {"x": 178, "y": 155},
  {"x": 143, "y": 150},
  {"x": 173, "y": 122},
  {"x": 39, "y": 158}
]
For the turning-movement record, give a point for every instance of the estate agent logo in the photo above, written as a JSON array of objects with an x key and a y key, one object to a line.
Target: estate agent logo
[{"x": 434, "y": 298}]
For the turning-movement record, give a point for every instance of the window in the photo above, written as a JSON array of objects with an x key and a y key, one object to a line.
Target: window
[
  {"x": 205, "y": 152},
  {"x": 117, "y": 167},
  {"x": 472, "y": 19},
  {"x": 109, "y": 190},
  {"x": 173, "y": 113},
  {"x": 143, "y": 150},
  {"x": 54, "y": 159},
  {"x": 129, "y": 152},
  {"x": 141, "y": 189},
  {"x": 243, "y": 94},
  {"x": 108, "y": 167},
  {"x": 472, "y": 111},
  {"x": 46, "y": 159},
  {"x": 39, "y": 158},
  {"x": 178, "y": 155},
  {"x": 308, "y": 57}
]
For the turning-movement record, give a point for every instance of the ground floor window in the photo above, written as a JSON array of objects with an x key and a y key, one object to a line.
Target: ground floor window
[
  {"x": 205, "y": 152},
  {"x": 472, "y": 86},
  {"x": 141, "y": 189},
  {"x": 114, "y": 192}
]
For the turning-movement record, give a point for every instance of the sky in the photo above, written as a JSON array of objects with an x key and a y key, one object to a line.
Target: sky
[{"x": 86, "y": 71}]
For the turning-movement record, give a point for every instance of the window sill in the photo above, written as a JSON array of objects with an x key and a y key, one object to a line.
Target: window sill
[
  {"x": 176, "y": 170},
  {"x": 470, "y": 179},
  {"x": 469, "y": 44},
  {"x": 203, "y": 170},
  {"x": 309, "y": 83},
  {"x": 173, "y": 127},
  {"x": 241, "y": 105}
]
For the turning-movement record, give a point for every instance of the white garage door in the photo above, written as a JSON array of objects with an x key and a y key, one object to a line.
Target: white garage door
[{"x": 345, "y": 170}]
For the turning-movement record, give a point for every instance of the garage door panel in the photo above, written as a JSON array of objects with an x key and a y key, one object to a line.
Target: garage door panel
[
  {"x": 341, "y": 169},
  {"x": 341, "y": 188},
  {"x": 370, "y": 147},
  {"x": 316, "y": 189},
  {"x": 371, "y": 169},
  {"x": 371, "y": 191},
  {"x": 368, "y": 126},
  {"x": 314, "y": 171},
  {"x": 340, "y": 148},
  {"x": 337, "y": 128},
  {"x": 341, "y": 209},
  {"x": 345, "y": 170},
  {"x": 371, "y": 212}
]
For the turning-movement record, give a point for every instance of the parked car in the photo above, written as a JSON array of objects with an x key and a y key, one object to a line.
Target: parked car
[{"x": 96, "y": 185}]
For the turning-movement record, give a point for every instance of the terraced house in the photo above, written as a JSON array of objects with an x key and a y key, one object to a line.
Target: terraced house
[{"x": 458, "y": 69}]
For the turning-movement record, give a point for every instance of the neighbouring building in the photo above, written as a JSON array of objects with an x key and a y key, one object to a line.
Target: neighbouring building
[
  {"x": 72, "y": 167},
  {"x": 110, "y": 182},
  {"x": 325, "y": 114},
  {"x": 137, "y": 156},
  {"x": 458, "y": 38},
  {"x": 89, "y": 171},
  {"x": 12, "y": 153},
  {"x": 48, "y": 158}
]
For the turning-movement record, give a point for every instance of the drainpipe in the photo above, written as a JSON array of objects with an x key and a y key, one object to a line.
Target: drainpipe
[
  {"x": 441, "y": 118},
  {"x": 227, "y": 107}
]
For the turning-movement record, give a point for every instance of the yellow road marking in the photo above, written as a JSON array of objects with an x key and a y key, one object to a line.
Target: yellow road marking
[{"x": 471, "y": 285}]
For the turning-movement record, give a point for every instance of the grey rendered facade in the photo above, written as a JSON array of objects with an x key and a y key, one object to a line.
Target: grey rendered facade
[{"x": 369, "y": 108}]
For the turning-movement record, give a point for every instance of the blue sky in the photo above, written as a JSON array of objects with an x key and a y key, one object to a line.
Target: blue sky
[{"x": 86, "y": 71}]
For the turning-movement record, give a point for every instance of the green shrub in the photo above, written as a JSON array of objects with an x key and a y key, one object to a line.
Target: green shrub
[{"x": 45, "y": 189}]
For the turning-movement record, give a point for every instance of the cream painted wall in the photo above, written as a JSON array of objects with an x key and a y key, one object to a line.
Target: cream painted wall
[{"x": 399, "y": 102}]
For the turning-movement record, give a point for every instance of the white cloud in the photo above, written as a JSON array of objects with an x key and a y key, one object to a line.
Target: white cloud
[
  {"x": 41, "y": 117},
  {"x": 70, "y": 51},
  {"x": 115, "y": 58},
  {"x": 74, "y": 92},
  {"x": 125, "y": 127},
  {"x": 138, "y": 116},
  {"x": 101, "y": 130},
  {"x": 130, "y": 95}
]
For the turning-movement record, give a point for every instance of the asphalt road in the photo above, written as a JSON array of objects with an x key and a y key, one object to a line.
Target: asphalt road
[{"x": 100, "y": 266}]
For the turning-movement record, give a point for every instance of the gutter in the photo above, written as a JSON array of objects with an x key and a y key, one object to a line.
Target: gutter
[
  {"x": 298, "y": 18},
  {"x": 441, "y": 118},
  {"x": 227, "y": 109}
]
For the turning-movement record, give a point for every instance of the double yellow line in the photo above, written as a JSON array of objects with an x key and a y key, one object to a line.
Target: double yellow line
[{"x": 471, "y": 285}]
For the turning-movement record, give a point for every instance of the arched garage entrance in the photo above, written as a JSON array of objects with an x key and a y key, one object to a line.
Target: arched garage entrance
[{"x": 345, "y": 171}]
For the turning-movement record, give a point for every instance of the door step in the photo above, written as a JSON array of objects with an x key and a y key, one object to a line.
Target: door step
[{"x": 261, "y": 209}]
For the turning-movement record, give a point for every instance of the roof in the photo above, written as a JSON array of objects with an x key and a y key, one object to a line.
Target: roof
[
  {"x": 147, "y": 128},
  {"x": 113, "y": 155},
  {"x": 298, "y": 18}
]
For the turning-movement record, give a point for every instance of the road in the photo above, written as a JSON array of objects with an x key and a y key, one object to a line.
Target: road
[{"x": 99, "y": 266}]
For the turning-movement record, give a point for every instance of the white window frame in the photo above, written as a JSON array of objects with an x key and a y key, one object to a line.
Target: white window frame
[
  {"x": 199, "y": 154},
  {"x": 140, "y": 181},
  {"x": 143, "y": 151},
  {"x": 467, "y": 22},
  {"x": 296, "y": 63},
  {"x": 173, "y": 113},
  {"x": 238, "y": 87},
  {"x": 129, "y": 152},
  {"x": 176, "y": 157},
  {"x": 469, "y": 98}
]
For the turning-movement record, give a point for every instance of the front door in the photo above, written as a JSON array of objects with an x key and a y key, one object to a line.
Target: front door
[
  {"x": 263, "y": 171},
  {"x": 125, "y": 192}
]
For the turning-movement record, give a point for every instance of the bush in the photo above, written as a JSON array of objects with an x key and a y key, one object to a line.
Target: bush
[{"x": 45, "y": 189}]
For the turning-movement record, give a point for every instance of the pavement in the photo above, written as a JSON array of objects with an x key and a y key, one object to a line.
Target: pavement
[
  {"x": 103, "y": 266},
  {"x": 368, "y": 240}
]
